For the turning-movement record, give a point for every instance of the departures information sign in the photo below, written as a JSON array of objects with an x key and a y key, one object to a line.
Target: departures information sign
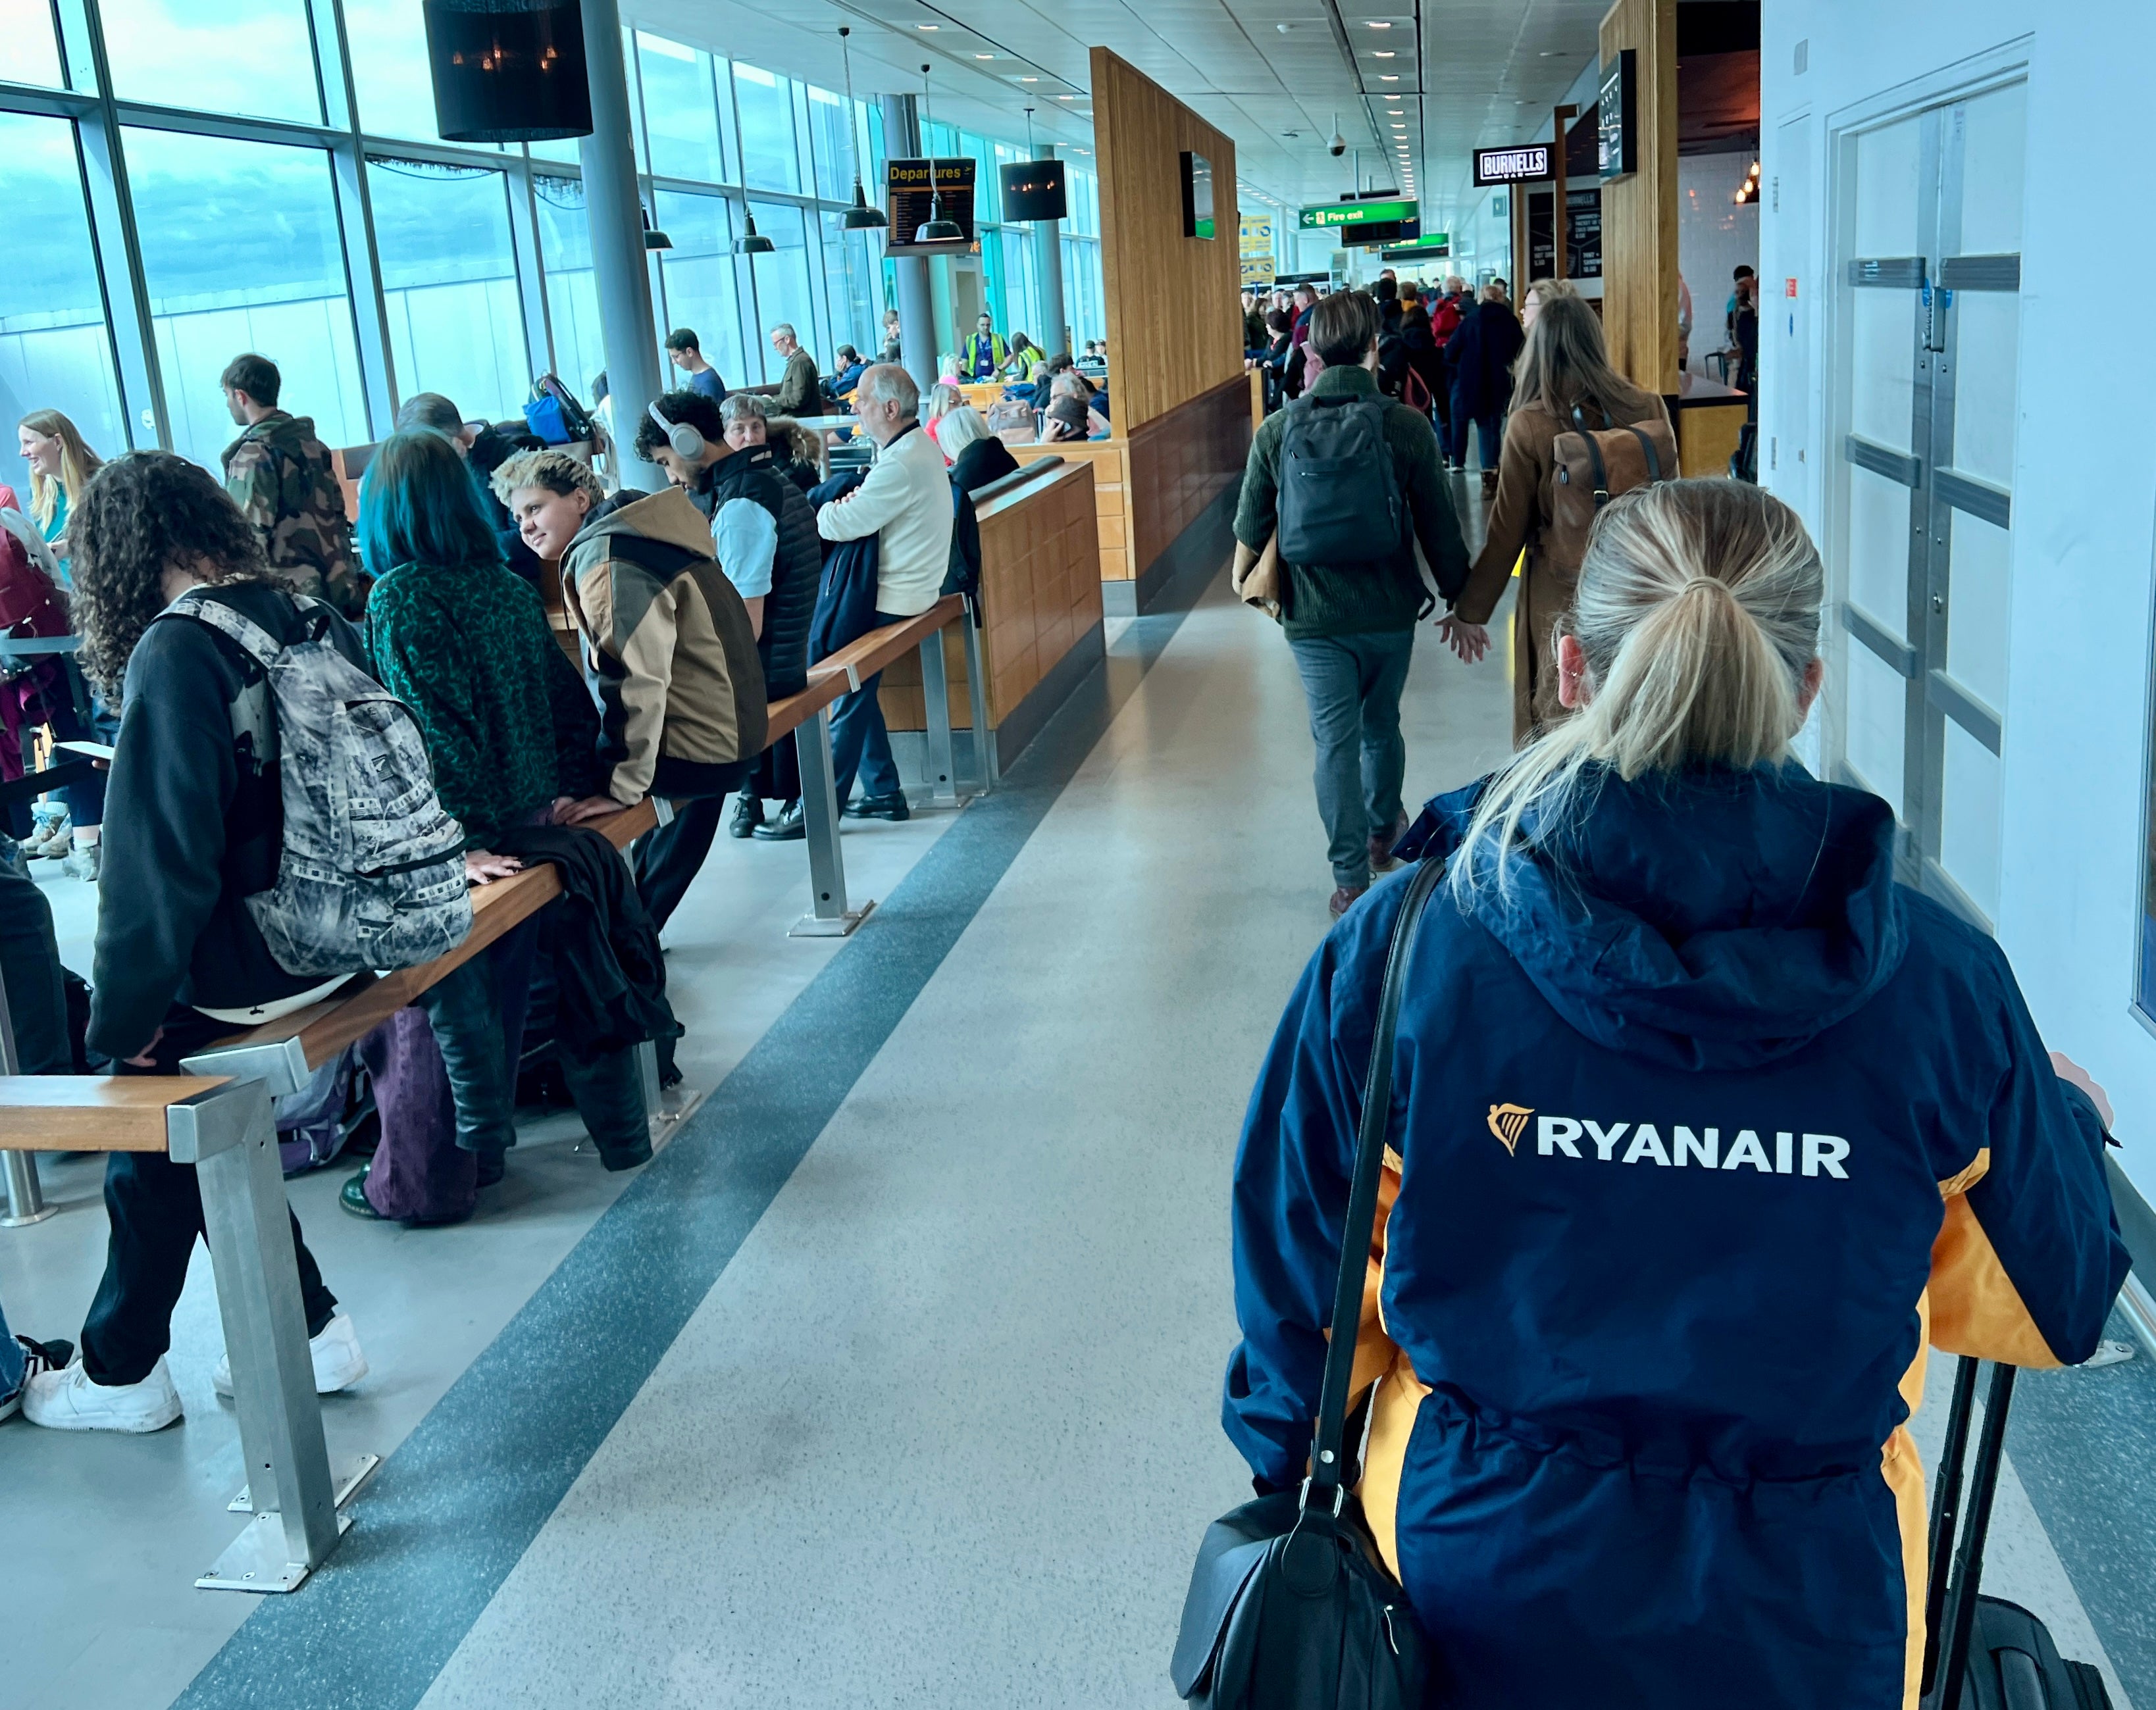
[{"x": 1528, "y": 163}]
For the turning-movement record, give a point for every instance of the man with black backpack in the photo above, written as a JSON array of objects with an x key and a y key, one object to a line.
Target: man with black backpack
[{"x": 1352, "y": 483}]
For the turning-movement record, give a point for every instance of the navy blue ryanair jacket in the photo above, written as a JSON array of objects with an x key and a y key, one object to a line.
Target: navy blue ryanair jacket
[{"x": 1699, "y": 1139}]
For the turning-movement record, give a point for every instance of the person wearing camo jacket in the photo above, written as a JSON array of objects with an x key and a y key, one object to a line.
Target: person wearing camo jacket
[{"x": 278, "y": 474}]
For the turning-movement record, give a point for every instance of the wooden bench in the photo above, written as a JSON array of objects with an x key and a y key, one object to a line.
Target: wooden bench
[{"x": 224, "y": 1128}]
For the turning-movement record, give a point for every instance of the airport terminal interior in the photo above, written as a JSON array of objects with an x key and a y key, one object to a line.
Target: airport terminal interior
[{"x": 889, "y": 1368}]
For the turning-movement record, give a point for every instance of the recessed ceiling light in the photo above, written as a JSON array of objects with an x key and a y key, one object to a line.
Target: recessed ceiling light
[
  {"x": 1378, "y": 26},
  {"x": 1028, "y": 79},
  {"x": 928, "y": 26},
  {"x": 1390, "y": 76},
  {"x": 984, "y": 56},
  {"x": 1066, "y": 98},
  {"x": 1384, "y": 53}
]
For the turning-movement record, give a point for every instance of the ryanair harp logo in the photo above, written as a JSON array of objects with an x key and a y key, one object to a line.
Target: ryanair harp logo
[{"x": 1508, "y": 1122}]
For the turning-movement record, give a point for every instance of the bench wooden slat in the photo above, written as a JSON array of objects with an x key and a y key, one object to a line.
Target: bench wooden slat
[
  {"x": 92, "y": 1113},
  {"x": 357, "y": 1008},
  {"x": 880, "y": 648}
]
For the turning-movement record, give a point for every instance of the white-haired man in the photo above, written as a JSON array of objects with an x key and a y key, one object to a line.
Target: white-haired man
[
  {"x": 796, "y": 382},
  {"x": 905, "y": 503}
]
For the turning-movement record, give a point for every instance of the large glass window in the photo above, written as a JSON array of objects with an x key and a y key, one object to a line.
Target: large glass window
[
  {"x": 237, "y": 56},
  {"x": 782, "y": 283},
  {"x": 827, "y": 140},
  {"x": 54, "y": 354},
  {"x": 389, "y": 72},
  {"x": 680, "y": 110},
  {"x": 242, "y": 251},
  {"x": 704, "y": 290},
  {"x": 449, "y": 277},
  {"x": 572, "y": 297},
  {"x": 769, "y": 159},
  {"x": 851, "y": 275},
  {"x": 26, "y": 26}
]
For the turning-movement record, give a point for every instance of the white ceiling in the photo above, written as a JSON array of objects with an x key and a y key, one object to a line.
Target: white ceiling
[{"x": 1275, "y": 75}]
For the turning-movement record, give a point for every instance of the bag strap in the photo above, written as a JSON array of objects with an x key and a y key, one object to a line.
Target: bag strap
[
  {"x": 1361, "y": 1222},
  {"x": 259, "y": 644},
  {"x": 1647, "y": 445}
]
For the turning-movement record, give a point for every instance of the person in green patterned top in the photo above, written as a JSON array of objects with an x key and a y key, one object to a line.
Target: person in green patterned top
[{"x": 510, "y": 729}]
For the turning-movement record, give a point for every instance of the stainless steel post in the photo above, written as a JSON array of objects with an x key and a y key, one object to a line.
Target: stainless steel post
[
  {"x": 627, "y": 329},
  {"x": 230, "y": 1138},
  {"x": 829, "y": 916},
  {"x": 1048, "y": 269},
  {"x": 936, "y": 693},
  {"x": 986, "y": 765},
  {"x": 26, "y": 1198}
]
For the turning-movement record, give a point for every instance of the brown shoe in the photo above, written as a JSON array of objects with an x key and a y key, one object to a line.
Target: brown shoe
[
  {"x": 1381, "y": 846},
  {"x": 1346, "y": 897},
  {"x": 1489, "y": 483}
]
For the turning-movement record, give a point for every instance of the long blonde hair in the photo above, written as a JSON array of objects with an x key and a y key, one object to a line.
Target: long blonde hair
[
  {"x": 77, "y": 464},
  {"x": 1565, "y": 359},
  {"x": 1698, "y": 610}
]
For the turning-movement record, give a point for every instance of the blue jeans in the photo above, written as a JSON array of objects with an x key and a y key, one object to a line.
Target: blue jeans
[
  {"x": 1490, "y": 426},
  {"x": 859, "y": 744},
  {"x": 12, "y": 1359},
  {"x": 1353, "y": 684}
]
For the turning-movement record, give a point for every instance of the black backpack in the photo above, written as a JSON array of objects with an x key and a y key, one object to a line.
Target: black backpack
[{"x": 1340, "y": 501}]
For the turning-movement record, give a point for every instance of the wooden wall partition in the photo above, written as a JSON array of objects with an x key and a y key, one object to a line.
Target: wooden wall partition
[
  {"x": 1639, "y": 212},
  {"x": 1175, "y": 325}
]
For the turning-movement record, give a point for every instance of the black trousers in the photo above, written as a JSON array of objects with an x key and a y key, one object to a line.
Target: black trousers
[
  {"x": 669, "y": 859},
  {"x": 156, "y": 1212}
]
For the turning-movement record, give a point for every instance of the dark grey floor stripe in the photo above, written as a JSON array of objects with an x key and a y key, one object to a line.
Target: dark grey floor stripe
[
  {"x": 2085, "y": 1445},
  {"x": 457, "y": 1505}
]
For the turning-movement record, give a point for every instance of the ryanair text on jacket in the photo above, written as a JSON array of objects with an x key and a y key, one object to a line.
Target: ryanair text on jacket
[{"x": 1822, "y": 1155}]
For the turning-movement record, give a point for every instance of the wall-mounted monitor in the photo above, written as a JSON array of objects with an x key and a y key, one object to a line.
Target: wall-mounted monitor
[
  {"x": 1196, "y": 196},
  {"x": 1033, "y": 190},
  {"x": 1617, "y": 135},
  {"x": 912, "y": 197}
]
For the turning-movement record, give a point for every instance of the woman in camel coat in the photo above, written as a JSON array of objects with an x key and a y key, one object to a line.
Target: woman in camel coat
[{"x": 1564, "y": 366}]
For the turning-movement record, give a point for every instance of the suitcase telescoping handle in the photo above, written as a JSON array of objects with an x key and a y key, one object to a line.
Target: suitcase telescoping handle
[{"x": 1950, "y": 1599}]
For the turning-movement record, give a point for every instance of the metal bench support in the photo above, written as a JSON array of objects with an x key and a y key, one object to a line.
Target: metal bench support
[
  {"x": 936, "y": 693},
  {"x": 829, "y": 916},
  {"x": 987, "y": 767},
  {"x": 230, "y": 1138}
]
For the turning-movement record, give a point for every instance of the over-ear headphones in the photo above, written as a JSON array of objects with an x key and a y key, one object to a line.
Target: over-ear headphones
[{"x": 685, "y": 440}]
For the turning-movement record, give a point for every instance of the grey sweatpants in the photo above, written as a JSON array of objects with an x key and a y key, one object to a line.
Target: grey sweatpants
[{"x": 1353, "y": 684}]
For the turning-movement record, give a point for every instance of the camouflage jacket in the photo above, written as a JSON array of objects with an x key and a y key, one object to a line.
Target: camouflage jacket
[{"x": 278, "y": 474}]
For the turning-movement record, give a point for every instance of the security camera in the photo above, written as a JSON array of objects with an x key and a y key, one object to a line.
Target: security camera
[{"x": 1338, "y": 146}]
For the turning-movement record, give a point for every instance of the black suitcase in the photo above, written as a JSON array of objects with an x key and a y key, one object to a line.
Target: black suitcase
[{"x": 1985, "y": 1653}]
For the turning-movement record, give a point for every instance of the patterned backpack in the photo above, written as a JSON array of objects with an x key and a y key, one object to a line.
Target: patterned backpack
[{"x": 372, "y": 870}]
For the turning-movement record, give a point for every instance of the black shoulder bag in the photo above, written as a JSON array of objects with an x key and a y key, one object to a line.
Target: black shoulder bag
[{"x": 1290, "y": 1606}]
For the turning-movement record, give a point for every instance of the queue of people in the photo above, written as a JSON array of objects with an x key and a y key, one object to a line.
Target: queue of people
[{"x": 692, "y": 607}]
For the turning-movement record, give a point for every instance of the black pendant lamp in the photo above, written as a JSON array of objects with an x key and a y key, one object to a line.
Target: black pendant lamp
[
  {"x": 754, "y": 242},
  {"x": 860, "y": 217},
  {"x": 938, "y": 230}
]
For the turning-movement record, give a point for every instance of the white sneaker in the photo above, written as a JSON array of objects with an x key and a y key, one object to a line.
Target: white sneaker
[
  {"x": 338, "y": 1362},
  {"x": 67, "y": 1400},
  {"x": 36, "y": 1357}
]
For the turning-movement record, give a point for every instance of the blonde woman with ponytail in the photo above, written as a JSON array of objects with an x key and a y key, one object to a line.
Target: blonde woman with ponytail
[{"x": 1703, "y": 1125}]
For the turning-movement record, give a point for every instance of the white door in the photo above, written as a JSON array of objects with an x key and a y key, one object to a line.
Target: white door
[{"x": 1929, "y": 272}]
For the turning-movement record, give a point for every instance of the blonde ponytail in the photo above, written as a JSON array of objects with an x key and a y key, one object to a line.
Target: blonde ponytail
[{"x": 1698, "y": 610}]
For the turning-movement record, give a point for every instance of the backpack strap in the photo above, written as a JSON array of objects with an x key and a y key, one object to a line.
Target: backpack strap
[
  {"x": 1647, "y": 445},
  {"x": 204, "y": 607}
]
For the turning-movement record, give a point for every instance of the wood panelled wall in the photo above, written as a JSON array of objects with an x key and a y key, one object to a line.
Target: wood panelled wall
[
  {"x": 1175, "y": 325},
  {"x": 1640, "y": 213}
]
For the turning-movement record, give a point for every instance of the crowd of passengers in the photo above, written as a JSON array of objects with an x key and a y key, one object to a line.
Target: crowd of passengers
[{"x": 693, "y": 608}]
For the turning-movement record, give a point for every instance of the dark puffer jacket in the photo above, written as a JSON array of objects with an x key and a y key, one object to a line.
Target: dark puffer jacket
[{"x": 797, "y": 569}]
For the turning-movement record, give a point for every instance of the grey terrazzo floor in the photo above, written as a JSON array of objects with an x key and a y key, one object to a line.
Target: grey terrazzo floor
[{"x": 941, "y": 1431}]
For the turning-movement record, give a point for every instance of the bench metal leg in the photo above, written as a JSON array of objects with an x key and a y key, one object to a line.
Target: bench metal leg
[
  {"x": 230, "y": 1138},
  {"x": 936, "y": 692},
  {"x": 986, "y": 766},
  {"x": 829, "y": 916},
  {"x": 666, "y": 1107},
  {"x": 26, "y": 1197}
]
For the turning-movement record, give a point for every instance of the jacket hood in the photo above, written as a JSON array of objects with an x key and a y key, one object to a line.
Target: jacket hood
[
  {"x": 289, "y": 434},
  {"x": 1713, "y": 920},
  {"x": 670, "y": 516}
]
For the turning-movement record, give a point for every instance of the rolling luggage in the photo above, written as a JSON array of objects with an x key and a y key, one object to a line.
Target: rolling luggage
[{"x": 1985, "y": 1653}]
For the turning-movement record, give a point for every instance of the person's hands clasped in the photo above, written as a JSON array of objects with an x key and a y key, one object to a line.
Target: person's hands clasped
[
  {"x": 483, "y": 866},
  {"x": 1469, "y": 641},
  {"x": 569, "y": 812}
]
